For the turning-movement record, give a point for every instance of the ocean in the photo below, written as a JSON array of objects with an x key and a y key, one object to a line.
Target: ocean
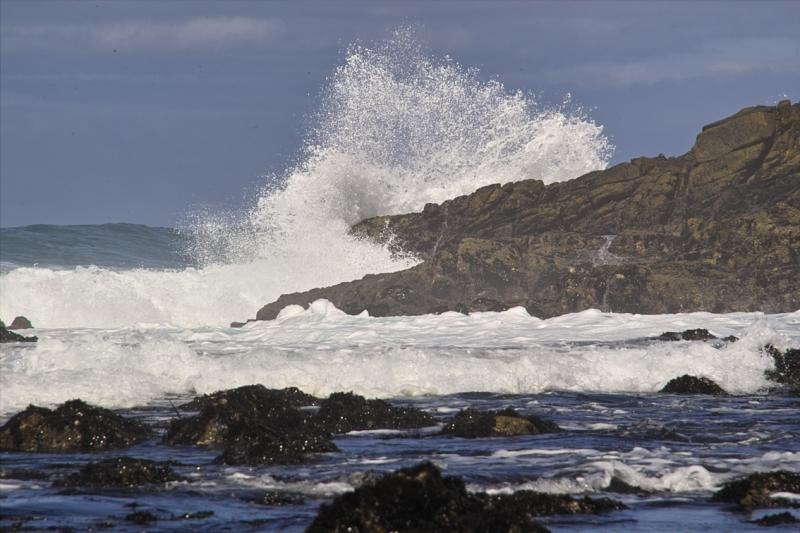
[{"x": 136, "y": 318}]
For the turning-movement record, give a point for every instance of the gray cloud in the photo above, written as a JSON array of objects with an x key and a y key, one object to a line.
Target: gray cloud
[{"x": 144, "y": 35}]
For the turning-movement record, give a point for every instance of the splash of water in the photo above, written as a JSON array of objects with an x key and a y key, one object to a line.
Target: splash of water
[{"x": 396, "y": 128}]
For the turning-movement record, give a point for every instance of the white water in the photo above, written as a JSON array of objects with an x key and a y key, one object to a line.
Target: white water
[
  {"x": 396, "y": 129},
  {"x": 322, "y": 350}
]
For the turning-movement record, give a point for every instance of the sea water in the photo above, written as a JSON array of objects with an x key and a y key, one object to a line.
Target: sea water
[{"x": 136, "y": 318}]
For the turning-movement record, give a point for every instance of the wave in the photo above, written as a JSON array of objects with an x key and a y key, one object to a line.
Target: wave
[
  {"x": 322, "y": 350},
  {"x": 396, "y": 128}
]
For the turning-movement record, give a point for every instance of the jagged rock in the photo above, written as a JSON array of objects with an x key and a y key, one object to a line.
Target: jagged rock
[
  {"x": 223, "y": 410},
  {"x": 121, "y": 472},
  {"x": 421, "y": 499},
  {"x": 687, "y": 384},
  {"x": 254, "y": 425},
  {"x": 10, "y": 336},
  {"x": 20, "y": 322},
  {"x": 755, "y": 490},
  {"x": 74, "y": 426},
  {"x": 778, "y": 519},
  {"x": 471, "y": 423},
  {"x": 687, "y": 335},
  {"x": 714, "y": 229},
  {"x": 787, "y": 366},
  {"x": 345, "y": 411}
]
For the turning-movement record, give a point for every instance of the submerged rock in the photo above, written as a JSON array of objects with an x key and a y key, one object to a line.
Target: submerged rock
[
  {"x": 20, "y": 322},
  {"x": 344, "y": 411},
  {"x": 74, "y": 426},
  {"x": 787, "y": 366},
  {"x": 421, "y": 499},
  {"x": 755, "y": 490},
  {"x": 141, "y": 518},
  {"x": 687, "y": 335},
  {"x": 10, "y": 336},
  {"x": 471, "y": 423},
  {"x": 687, "y": 384},
  {"x": 121, "y": 472},
  {"x": 777, "y": 519}
]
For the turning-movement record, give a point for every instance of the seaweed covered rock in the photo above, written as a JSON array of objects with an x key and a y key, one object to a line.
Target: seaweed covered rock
[
  {"x": 787, "y": 366},
  {"x": 10, "y": 336},
  {"x": 74, "y": 426},
  {"x": 756, "y": 490},
  {"x": 471, "y": 423},
  {"x": 421, "y": 499},
  {"x": 687, "y": 335},
  {"x": 345, "y": 411},
  {"x": 687, "y": 384},
  {"x": 228, "y": 409},
  {"x": 254, "y": 425},
  {"x": 777, "y": 519},
  {"x": 121, "y": 472}
]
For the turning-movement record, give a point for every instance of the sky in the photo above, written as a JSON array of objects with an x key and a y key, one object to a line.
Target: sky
[{"x": 146, "y": 111}]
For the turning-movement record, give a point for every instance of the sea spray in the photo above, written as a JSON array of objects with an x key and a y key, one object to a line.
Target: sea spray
[{"x": 396, "y": 128}]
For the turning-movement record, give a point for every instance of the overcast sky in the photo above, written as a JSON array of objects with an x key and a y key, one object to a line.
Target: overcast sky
[{"x": 141, "y": 111}]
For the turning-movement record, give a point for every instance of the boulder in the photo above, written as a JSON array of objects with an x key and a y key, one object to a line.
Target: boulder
[
  {"x": 755, "y": 491},
  {"x": 342, "y": 412},
  {"x": 421, "y": 499},
  {"x": 121, "y": 472},
  {"x": 471, "y": 423},
  {"x": 687, "y": 384},
  {"x": 20, "y": 322},
  {"x": 10, "y": 336},
  {"x": 787, "y": 366},
  {"x": 74, "y": 426},
  {"x": 712, "y": 230}
]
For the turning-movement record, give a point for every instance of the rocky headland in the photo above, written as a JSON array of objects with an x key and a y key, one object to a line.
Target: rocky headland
[{"x": 716, "y": 229}]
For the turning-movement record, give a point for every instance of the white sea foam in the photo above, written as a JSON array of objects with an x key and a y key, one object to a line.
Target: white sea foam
[
  {"x": 397, "y": 128},
  {"x": 322, "y": 350}
]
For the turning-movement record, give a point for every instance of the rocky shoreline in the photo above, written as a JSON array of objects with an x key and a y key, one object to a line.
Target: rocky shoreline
[{"x": 715, "y": 229}]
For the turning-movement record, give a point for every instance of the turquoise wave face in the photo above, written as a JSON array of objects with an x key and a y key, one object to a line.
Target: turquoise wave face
[{"x": 117, "y": 246}]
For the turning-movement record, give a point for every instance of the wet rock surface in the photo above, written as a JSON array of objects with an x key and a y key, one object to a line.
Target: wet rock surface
[
  {"x": 687, "y": 384},
  {"x": 687, "y": 335},
  {"x": 755, "y": 491},
  {"x": 714, "y": 230},
  {"x": 471, "y": 423},
  {"x": 344, "y": 411},
  {"x": 74, "y": 426},
  {"x": 787, "y": 366},
  {"x": 421, "y": 499},
  {"x": 778, "y": 519},
  {"x": 10, "y": 336},
  {"x": 121, "y": 472}
]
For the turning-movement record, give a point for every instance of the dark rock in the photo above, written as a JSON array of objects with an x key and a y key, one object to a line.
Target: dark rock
[
  {"x": 345, "y": 411},
  {"x": 777, "y": 519},
  {"x": 74, "y": 426},
  {"x": 20, "y": 322},
  {"x": 714, "y": 229},
  {"x": 687, "y": 384},
  {"x": 274, "y": 498},
  {"x": 754, "y": 491},
  {"x": 730, "y": 338},
  {"x": 141, "y": 518},
  {"x": 421, "y": 499},
  {"x": 471, "y": 423},
  {"x": 254, "y": 425},
  {"x": 787, "y": 366},
  {"x": 688, "y": 335},
  {"x": 223, "y": 410},
  {"x": 238, "y": 324},
  {"x": 121, "y": 472},
  {"x": 10, "y": 336},
  {"x": 623, "y": 487}
]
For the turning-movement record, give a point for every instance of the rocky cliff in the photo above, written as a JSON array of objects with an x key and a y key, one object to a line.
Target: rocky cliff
[{"x": 716, "y": 229}]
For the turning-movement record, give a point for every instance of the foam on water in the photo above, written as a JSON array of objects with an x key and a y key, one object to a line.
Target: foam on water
[
  {"x": 397, "y": 128},
  {"x": 322, "y": 350}
]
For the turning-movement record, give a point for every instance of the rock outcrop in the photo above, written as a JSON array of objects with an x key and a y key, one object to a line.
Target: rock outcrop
[
  {"x": 20, "y": 322},
  {"x": 421, "y": 499},
  {"x": 757, "y": 490},
  {"x": 715, "y": 229},
  {"x": 121, "y": 472},
  {"x": 74, "y": 426},
  {"x": 10, "y": 336},
  {"x": 687, "y": 384},
  {"x": 471, "y": 423},
  {"x": 344, "y": 411}
]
